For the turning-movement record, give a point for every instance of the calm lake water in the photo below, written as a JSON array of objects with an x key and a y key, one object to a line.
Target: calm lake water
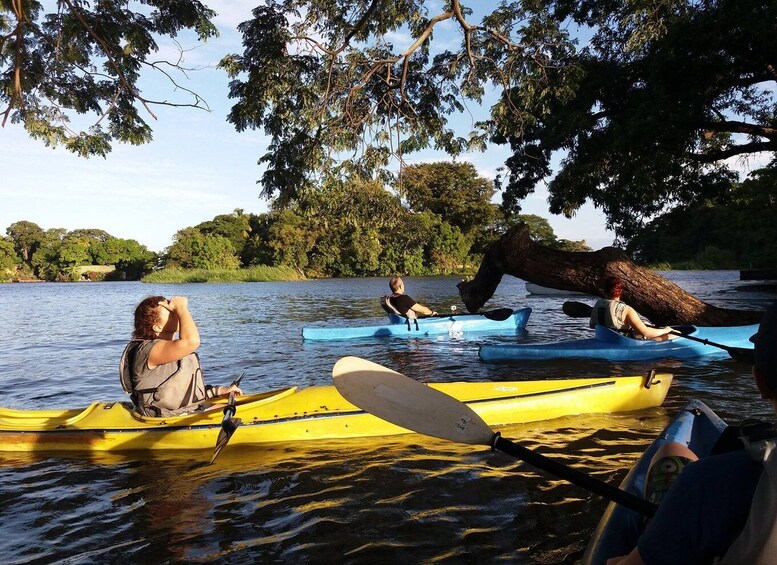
[{"x": 407, "y": 499}]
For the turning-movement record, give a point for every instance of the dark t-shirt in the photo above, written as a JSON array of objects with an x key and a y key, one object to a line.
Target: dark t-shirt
[
  {"x": 703, "y": 512},
  {"x": 402, "y": 302}
]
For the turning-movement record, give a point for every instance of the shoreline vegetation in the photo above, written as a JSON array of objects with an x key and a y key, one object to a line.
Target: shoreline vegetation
[
  {"x": 260, "y": 273},
  {"x": 266, "y": 273},
  {"x": 442, "y": 225}
]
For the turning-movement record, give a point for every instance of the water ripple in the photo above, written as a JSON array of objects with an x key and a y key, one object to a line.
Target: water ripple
[{"x": 381, "y": 500}]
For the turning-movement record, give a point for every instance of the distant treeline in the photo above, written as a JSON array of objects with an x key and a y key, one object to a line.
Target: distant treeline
[
  {"x": 737, "y": 233},
  {"x": 438, "y": 221}
]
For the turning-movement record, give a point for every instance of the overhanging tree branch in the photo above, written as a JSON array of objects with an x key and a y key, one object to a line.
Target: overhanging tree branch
[
  {"x": 742, "y": 127},
  {"x": 714, "y": 156},
  {"x": 50, "y": 61}
]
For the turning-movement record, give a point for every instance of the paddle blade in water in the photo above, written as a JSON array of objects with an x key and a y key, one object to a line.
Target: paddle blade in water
[
  {"x": 228, "y": 428},
  {"x": 499, "y": 315},
  {"x": 742, "y": 354},
  {"x": 407, "y": 403}
]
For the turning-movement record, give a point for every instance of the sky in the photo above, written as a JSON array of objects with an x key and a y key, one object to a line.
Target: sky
[{"x": 197, "y": 165}]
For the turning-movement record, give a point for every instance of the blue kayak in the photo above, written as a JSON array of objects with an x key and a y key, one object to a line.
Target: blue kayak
[
  {"x": 696, "y": 426},
  {"x": 609, "y": 344},
  {"x": 436, "y": 325}
]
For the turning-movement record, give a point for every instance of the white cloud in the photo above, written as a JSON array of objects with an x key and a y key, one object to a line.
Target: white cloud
[{"x": 233, "y": 13}]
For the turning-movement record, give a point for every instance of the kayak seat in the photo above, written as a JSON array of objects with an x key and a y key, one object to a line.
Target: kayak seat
[
  {"x": 388, "y": 307},
  {"x": 394, "y": 316}
]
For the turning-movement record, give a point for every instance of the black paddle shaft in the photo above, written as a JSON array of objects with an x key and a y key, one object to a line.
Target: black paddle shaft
[
  {"x": 228, "y": 425},
  {"x": 574, "y": 476},
  {"x": 738, "y": 353},
  {"x": 498, "y": 315}
]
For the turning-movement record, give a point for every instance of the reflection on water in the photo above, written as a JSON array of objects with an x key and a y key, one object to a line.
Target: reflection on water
[
  {"x": 399, "y": 499},
  {"x": 407, "y": 498}
]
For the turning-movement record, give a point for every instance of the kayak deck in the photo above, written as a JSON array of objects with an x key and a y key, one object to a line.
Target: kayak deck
[
  {"x": 312, "y": 413},
  {"x": 695, "y": 426},
  {"x": 609, "y": 344},
  {"x": 438, "y": 325}
]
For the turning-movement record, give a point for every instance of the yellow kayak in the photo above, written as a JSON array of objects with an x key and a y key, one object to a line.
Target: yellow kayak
[{"x": 312, "y": 413}]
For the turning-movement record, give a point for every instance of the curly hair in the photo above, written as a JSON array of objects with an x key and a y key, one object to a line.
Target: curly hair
[
  {"x": 612, "y": 287},
  {"x": 146, "y": 315}
]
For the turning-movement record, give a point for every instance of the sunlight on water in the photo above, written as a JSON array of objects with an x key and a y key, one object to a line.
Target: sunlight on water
[{"x": 383, "y": 500}]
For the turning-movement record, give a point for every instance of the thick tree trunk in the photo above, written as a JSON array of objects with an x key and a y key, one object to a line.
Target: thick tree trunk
[{"x": 659, "y": 300}]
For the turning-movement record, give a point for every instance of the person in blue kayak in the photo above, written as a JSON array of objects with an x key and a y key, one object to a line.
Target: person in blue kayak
[
  {"x": 721, "y": 508},
  {"x": 619, "y": 316},
  {"x": 401, "y": 303},
  {"x": 162, "y": 373}
]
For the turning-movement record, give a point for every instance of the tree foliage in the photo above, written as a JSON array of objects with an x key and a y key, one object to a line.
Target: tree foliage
[
  {"x": 26, "y": 237},
  {"x": 453, "y": 191},
  {"x": 645, "y": 102},
  {"x": 193, "y": 249},
  {"x": 53, "y": 254},
  {"x": 359, "y": 228},
  {"x": 735, "y": 234},
  {"x": 235, "y": 227},
  {"x": 8, "y": 259},
  {"x": 645, "y": 112},
  {"x": 87, "y": 58},
  {"x": 657, "y": 101},
  {"x": 342, "y": 228}
]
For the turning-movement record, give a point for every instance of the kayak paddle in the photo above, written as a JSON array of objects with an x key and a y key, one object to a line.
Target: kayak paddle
[
  {"x": 417, "y": 407},
  {"x": 575, "y": 309},
  {"x": 498, "y": 314},
  {"x": 745, "y": 355},
  {"x": 229, "y": 424}
]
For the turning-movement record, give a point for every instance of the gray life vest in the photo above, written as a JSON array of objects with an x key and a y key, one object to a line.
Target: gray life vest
[
  {"x": 167, "y": 390},
  {"x": 609, "y": 313},
  {"x": 757, "y": 544}
]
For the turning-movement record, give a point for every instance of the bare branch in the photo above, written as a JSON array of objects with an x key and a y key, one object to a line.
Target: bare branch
[
  {"x": 360, "y": 24},
  {"x": 742, "y": 127},
  {"x": 467, "y": 33},
  {"x": 107, "y": 52},
  {"x": 714, "y": 156}
]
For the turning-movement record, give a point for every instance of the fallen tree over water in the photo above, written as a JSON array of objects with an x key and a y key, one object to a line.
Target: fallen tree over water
[{"x": 653, "y": 296}]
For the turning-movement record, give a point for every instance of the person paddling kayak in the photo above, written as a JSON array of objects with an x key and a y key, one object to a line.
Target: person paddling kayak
[
  {"x": 721, "y": 508},
  {"x": 402, "y": 303},
  {"x": 619, "y": 316},
  {"x": 162, "y": 374}
]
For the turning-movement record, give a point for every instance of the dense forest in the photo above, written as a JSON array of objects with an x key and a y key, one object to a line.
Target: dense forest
[
  {"x": 647, "y": 116},
  {"x": 736, "y": 232},
  {"x": 440, "y": 224}
]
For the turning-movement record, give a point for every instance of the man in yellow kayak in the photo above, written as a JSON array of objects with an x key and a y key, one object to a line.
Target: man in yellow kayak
[
  {"x": 721, "y": 508},
  {"x": 161, "y": 372}
]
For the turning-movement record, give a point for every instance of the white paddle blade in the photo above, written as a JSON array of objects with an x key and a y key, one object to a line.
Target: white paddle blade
[{"x": 407, "y": 403}]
